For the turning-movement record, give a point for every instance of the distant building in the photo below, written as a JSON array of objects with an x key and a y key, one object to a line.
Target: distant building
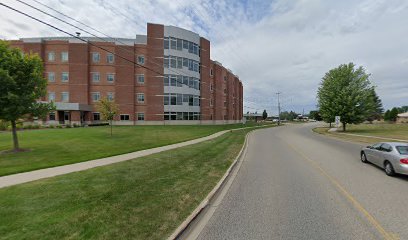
[
  {"x": 402, "y": 118},
  {"x": 184, "y": 86}
]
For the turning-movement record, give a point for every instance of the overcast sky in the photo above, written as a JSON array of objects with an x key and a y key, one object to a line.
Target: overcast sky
[{"x": 274, "y": 46}]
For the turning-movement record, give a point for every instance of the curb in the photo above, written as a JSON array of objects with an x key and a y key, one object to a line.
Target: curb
[{"x": 183, "y": 226}]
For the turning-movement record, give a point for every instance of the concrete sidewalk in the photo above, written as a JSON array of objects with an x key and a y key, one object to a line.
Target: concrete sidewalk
[{"x": 18, "y": 178}]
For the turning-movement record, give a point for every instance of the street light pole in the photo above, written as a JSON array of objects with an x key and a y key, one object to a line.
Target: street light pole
[{"x": 279, "y": 108}]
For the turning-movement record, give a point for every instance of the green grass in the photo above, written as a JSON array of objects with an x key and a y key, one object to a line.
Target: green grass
[
  {"x": 384, "y": 130},
  {"x": 55, "y": 147},
  {"x": 145, "y": 198}
]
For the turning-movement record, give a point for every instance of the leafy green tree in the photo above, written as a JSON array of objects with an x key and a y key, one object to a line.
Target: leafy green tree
[
  {"x": 378, "y": 109},
  {"x": 403, "y": 109},
  {"x": 108, "y": 110},
  {"x": 315, "y": 115},
  {"x": 393, "y": 114},
  {"x": 21, "y": 86},
  {"x": 264, "y": 115},
  {"x": 345, "y": 91},
  {"x": 387, "y": 115}
]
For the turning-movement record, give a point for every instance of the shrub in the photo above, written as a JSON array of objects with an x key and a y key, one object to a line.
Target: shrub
[
  {"x": 98, "y": 124},
  {"x": 51, "y": 126},
  {"x": 4, "y": 125},
  {"x": 76, "y": 125},
  {"x": 59, "y": 126},
  {"x": 35, "y": 126},
  {"x": 68, "y": 126}
]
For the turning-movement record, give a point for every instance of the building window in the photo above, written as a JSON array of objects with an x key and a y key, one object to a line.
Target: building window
[
  {"x": 140, "y": 78},
  {"x": 95, "y": 77},
  {"x": 225, "y": 78},
  {"x": 179, "y": 44},
  {"x": 51, "y": 116},
  {"x": 225, "y": 91},
  {"x": 166, "y": 43},
  {"x": 225, "y": 104},
  {"x": 110, "y": 58},
  {"x": 96, "y": 57},
  {"x": 211, "y": 72},
  {"x": 96, "y": 116},
  {"x": 140, "y": 116},
  {"x": 141, "y": 59},
  {"x": 173, "y": 43},
  {"x": 51, "y": 77},
  {"x": 51, "y": 56},
  {"x": 211, "y": 102},
  {"x": 65, "y": 97},
  {"x": 51, "y": 96},
  {"x": 185, "y": 44},
  {"x": 64, "y": 77},
  {"x": 64, "y": 56},
  {"x": 110, "y": 77},
  {"x": 96, "y": 96},
  {"x": 140, "y": 97},
  {"x": 124, "y": 117},
  {"x": 110, "y": 96},
  {"x": 211, "y": 87}
]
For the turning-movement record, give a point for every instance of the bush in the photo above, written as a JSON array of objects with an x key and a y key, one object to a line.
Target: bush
[
  {"x": 35, "y": 126},
  {"x": 4, "y": 125},
  {"x": 51, "y": 126},
  {"x": 68, "y": 126},
  {"x": 59, "y": 126},
  {"x": 76, "y": 125},
  {"x": 27, "y": 126},
  {"x": 98, "y": 124}
]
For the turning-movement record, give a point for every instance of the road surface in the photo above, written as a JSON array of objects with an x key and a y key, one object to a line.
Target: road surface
[{"x": 295, "y": 184}]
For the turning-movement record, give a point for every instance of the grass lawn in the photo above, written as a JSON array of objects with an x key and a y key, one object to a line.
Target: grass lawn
[
  {"x": 396, "y": 131},
  {"x": 55, "y": 147},
  {"x": 145, "y": 198}
]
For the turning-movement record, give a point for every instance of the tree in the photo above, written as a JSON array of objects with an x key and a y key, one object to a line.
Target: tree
[
  {"x": 315, "y": 115},
  {"x": 264, "y": 115},
  {"x": 393, "y": 114},
  {"x": 387, "y": 115},
  {"x": 345, "y": 91},
  {"x": 21, "y": 86},
  {"x": 378, "y": 109},
  {"x": 108, "y": 110}
]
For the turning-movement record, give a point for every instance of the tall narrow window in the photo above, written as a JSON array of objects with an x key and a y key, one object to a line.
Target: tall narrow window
[
  {"x": 51, "y": 96},
  {"x": 95, "y": 77},
  {"x": 140, "y": 97},
  {"x": 96, "y": 96},
  {"x": 51, "y": 56},
  {"x": 110, "y": 58},
  {"x": 141, "y": 59},
  {"x": 96, "y": 57},
  {"x": 64, "y": 57},
  {"x": 51, "y": 77},
  {"x": 65, "y": 97},
  {"x": 110, "y": 77},
  {"x": 64, "y": 77},
  {"x": 166, "y": 43},
  {"x": 110, "y": 96}
]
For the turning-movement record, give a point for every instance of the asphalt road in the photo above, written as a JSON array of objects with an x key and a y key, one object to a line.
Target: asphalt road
[{"x": 294, "y": 184}]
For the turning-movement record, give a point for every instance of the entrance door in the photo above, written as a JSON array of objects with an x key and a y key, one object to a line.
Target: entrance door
[{"x": 67, "y": 117}]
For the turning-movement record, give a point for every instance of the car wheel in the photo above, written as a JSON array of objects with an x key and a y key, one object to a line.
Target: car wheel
[
  {"x": 364, "y": 158},
  {"x": 389, "y": 170}
]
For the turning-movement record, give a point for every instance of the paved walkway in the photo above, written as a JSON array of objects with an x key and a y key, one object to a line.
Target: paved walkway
[{"x": 19, "y": 178}]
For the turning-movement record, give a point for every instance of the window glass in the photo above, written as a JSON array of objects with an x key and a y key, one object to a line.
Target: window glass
[
  {"x": 179, "y": 81},
  {"x": 124, "y": 117},
  {"x": 64, "y": 56},
  {"x": 173, "y": 43},
  {"x": 64, "y": 77},
  {"x": 110, "y": 77},
  {"x": 110, "y": 96},
  {"x": 52, "y": 116},
  {"x": 173, "y": 62},
  {"x": 179, "y": 44},
  {"x": 185, "y": 98},
  {"x": 386, "y": 147},
  {"x": 140, "y": 79},
  {"x": 185, "y": 62},
  {"x": 403, "y": 150},
  {"x": 166, "y": 62},
  {"x": 166, "y": 80},
  {"x": 166, "y": 43},
  {"x": 179, "y": 62},
  {"x": 96, "y": 96},
  {"x": 65, "y": 97},
  {"x": 51, "y": 77},
  {"x": 110, "y": 58},
  {"x": 96, "y": 116},
  {"x": 173, "y": 99},
  {"x": 185, "y": 44},
  {"x": 96, "y": 57},
  {"x": 185, "y": 81},
  {"x": 173, "y": 80},
  {"x": 140, "y": 97},
  {"x": 140, "y": 60},
  {"x": 51, "y": 96},
  {"x": 95, "y": 77},
  {"x": 190, "y": 47},
  {"x": 140, "y": 116},
  {"x": 179, "y": 99},
  {"x": 51, "y": 56},
  {"x": 166, "y": 99}
]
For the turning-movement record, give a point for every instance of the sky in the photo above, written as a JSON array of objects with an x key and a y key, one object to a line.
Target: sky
[{"x": 273, "y": 46}]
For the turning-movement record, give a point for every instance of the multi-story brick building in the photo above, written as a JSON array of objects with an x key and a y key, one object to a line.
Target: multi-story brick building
[{"x": 164, "y": 77}]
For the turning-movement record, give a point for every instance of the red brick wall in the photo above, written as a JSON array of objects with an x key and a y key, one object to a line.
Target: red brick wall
[
  {"x": 205, "y": 79},
  {"x": 154, "y": 79}
]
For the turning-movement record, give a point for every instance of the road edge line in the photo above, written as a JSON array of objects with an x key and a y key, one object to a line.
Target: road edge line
[{"x": 186, "y": 223}]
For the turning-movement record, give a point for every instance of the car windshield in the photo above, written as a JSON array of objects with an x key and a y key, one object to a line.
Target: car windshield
[{"x": 402, "y": 149}]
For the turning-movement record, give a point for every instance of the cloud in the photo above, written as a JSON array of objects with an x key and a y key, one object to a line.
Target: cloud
[{"x": 280, "y": 45}]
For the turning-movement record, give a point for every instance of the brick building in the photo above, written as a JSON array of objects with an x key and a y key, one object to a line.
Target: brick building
[{"x": 173, "y": 82}]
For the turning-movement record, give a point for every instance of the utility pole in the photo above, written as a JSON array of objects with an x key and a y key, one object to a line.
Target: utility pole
[{"x": 279, "y": 108}]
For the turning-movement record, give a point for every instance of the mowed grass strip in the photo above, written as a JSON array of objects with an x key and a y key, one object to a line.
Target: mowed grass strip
[
  {"x": 396, "y": 131},
  {"x": 145, "y": 198},
  {"x": 56, "y": 147}
]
